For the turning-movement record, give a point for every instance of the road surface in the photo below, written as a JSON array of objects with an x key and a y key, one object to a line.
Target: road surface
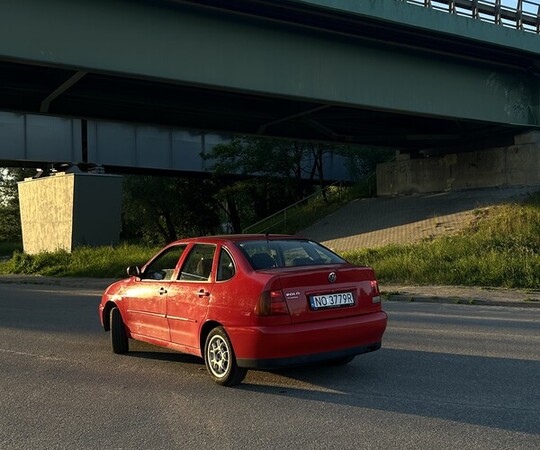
[{"x": 448, "y": 376}]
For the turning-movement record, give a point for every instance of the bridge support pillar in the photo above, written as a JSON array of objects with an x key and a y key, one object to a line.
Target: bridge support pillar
[
  {"x": 67, "y": 210},
  {"x": 516, "y": 165}
]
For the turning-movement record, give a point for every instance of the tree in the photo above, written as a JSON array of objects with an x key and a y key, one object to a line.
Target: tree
[
  {"x": 10, "y": 220},
  {"x": 363, "y": 160},
  {"x": 160, "y": 209}
]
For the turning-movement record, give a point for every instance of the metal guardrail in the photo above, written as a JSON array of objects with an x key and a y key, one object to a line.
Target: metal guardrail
[
  {"x": 520, "y": 14},
  {"x": 282, "y": 215}
]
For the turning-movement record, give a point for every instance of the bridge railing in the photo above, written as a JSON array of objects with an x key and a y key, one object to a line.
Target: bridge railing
[{"x": 520, "y": 14}]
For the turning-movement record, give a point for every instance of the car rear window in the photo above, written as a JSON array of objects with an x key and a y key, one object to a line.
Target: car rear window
[{"x": 268, "y": 254}]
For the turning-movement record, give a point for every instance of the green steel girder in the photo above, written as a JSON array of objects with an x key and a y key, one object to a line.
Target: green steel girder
[{"x": 213, "y": 49}]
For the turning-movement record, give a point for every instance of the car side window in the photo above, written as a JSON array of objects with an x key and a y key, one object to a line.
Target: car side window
[
  {"x": 162, "y": 267},
  {"x": 198, "y": 264},
  {"x": 226, "y": 268}
]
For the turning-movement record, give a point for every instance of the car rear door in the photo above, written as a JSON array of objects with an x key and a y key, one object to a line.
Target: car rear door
[{"x": 189, "y": 296}]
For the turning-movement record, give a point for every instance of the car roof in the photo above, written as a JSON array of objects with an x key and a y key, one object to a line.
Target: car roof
[{"x": 237, "y": 237}]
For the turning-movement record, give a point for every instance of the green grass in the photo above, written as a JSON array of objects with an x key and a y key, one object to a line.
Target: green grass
[
  {"x": 502, "y": 249},
  {"x": 106, "y": 262}
]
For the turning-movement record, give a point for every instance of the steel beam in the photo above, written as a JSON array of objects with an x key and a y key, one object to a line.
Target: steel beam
[{"x": 60, "y": 90}]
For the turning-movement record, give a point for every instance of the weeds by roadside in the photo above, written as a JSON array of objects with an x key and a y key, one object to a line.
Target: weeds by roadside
[{"x": 108, "y": 262}]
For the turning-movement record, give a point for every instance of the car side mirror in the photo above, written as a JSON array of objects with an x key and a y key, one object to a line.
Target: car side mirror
[{"x": 134, "y": 271}]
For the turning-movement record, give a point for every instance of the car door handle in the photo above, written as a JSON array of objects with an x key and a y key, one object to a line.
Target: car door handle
[
  {"x": 203, "y": 293},
  {"x": 162, "y": 291}
]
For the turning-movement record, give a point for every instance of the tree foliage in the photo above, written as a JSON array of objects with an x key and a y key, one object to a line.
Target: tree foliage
[
  {"x": 10, "y": 221},
  {"x": 362, "y": 161},
  {"x": 160, "y": 209}
]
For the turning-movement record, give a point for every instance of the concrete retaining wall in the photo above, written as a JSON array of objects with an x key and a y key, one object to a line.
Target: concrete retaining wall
[
  {"x": 64, "y": 211},
  {"x": 517, "y": 165}
]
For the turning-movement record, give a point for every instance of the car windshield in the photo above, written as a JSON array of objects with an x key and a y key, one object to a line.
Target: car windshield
[{"x": 267, "y": 254}]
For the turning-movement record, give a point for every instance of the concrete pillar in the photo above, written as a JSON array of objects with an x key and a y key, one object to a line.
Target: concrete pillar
[{"x": 67, "y": 210}]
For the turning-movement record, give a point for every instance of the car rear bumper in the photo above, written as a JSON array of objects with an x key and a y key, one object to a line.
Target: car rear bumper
[
  {"x": 276, "y": 363},
  {"x": 305, "y": 343}
]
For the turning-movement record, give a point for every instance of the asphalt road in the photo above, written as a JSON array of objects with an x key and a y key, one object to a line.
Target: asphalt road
[{"x": 448, "y": 377}]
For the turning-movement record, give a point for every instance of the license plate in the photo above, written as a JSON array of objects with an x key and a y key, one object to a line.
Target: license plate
[{"x": 331, "y": 300}]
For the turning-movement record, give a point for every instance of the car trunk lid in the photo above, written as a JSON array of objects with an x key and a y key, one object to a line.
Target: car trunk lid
[{"x": 327, "y": 292}]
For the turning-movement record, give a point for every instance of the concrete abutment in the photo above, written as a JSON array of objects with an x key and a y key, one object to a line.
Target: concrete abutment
[
  {"x": 67, "y": 210},
  {"x": 516, "y": 165}
]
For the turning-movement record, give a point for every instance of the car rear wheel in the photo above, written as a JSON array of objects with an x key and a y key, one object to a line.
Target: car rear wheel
[
  {"x": 119, "y": 339},
  {"x": 220, "y": 359}
]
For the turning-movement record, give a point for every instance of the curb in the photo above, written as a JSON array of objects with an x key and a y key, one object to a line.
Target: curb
[
  {"x": 463, "y": 295},
  {"x": 408, "y": 298}
]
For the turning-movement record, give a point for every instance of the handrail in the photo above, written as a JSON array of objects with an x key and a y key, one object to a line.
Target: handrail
[
  {"x": 524, "y": 16},
  {"x": 284, "y": 210}
]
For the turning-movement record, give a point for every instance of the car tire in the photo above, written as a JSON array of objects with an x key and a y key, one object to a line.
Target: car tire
[
  {"x": 220, "y": 359},
  {"x": 119, "y": 339}
]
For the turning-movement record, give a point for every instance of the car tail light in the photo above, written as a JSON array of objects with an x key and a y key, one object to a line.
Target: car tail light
[
  {"x": 272, "y": 303},
  {"x": 375, "y": 294}
]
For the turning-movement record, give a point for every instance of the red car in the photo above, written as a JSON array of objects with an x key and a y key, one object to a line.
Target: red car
[{"x": 247, "y": 302}]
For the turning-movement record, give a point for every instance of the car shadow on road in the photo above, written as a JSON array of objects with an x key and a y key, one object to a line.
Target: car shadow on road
[
  {"x": 166, "y": 356},
  {"x": 492, "y": 392}
]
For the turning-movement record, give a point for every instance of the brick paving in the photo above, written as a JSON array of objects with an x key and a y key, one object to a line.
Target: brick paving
[{"x": 367, "y": 223}]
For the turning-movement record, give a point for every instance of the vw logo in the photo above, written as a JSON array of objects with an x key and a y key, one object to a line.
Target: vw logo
[{"x": 332, "y": 277}]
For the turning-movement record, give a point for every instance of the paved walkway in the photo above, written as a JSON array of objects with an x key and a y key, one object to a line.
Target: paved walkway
[
  {"x": 400, "y": 220},
  {"x": 465, "y": 295}
]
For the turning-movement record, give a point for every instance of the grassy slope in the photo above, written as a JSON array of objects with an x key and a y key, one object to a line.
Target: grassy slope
[{"x": 502, "y": 248}]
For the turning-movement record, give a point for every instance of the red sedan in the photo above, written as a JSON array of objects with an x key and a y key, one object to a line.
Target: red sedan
[{"x": 247, "y": 302}]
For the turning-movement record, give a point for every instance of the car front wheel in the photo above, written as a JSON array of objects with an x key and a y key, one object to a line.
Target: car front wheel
[
  {"x": 220, "y": 360},
  {"x": 119, "y": 339}
]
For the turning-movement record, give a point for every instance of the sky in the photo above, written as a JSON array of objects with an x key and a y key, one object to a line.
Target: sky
[{"x": 528, "y": 5}]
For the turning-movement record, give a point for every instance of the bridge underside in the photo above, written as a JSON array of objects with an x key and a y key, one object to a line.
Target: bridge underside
[{"x": 24, "y": 87}]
